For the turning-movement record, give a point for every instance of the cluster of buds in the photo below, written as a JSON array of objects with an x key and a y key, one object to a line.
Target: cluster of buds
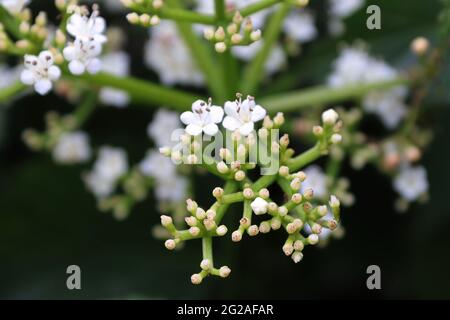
[
  {"x": 29, "y": 35},
  {"x": 301, "y": 216},
  {"x": 240, "y": 32},
  {"x": 135, "y": 188},
  {"x": 145, "y": 13}
]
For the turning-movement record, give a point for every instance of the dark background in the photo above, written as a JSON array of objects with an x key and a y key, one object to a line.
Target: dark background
[{"x": 49, "y": 221}]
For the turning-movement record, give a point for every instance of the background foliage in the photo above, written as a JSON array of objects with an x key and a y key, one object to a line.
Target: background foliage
[{"x": 49, "y": 221}]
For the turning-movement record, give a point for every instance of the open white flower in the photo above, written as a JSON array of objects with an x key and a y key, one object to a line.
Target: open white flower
[
  {"x": 411, "y": 182},
  {"x": 14, "y": 6},
  {"x": 72, "y": 147},
  {"x": 82, "y": 56},
  {"x": 203, "y": 118},
  {"x": 259, "y": 206},
  {"x": 87, "y": 28},
  {"x": 162, "y": 127},
  {"x": 242, "y": 115},
  {"x": 40, "y": 72},
  {"x": 299, "y": 25}
]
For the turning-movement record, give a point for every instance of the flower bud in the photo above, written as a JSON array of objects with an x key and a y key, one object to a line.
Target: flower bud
[
  {"x": 278, "y": 120},
  {"x": 165, "y": 151},
  {"x": 220, "y": 47},
  {"x": 248, "y": 193},
  {"x": 322, "y": 210},
  {"x": 253, "y": 230},
  {"x": 210, "y": 214},
  {"x": 205, "y": 264},
  {"x": 318, "y": 131},
  {"x": 166, "y": 221},
  {"x": 283, "y": 171},
  {"x": 288, "y": 249},
  {"x": 275, "y": 223},
  {"x": 308, "y": 194},
  {"x": 297, "y": 256},
  {"x": 239, "y": 176},
  {"x": 296, "y": 198},
  {"x": 236, "y": 38},
  {"x": 336, "y": 138},
  {"x": 295, "y": 184},
  {"x": 194, "y": 231},
  {"x": 284, "y": 141},
  {"x": 264, "y": 227},
  {"x": 236, "y": 236},
  {"x": 208, "y": 33},
  {"x": 282, "y": 211},
  {"x": 264, "y": 193},
  {"x": 420, "y": 46},
  {"x": 330, "y": 117},
  {"x": 200, "y": 214},
  {"x": 313, "y": 239},
  {"x": 217, "y": 193},
  {"x": 334, "y": 202},
  {"x": 222, "y": 167},
  {"x": 255, "y": 35},
  {"x": 221, "y": 230},
  {"x": 170, "y": 244},
  {"x": 316, "y": 228},
  {"x": 272, "y": 207},
  {"x": 209, "y": 224},
  {"x": 191, "y": 221},
  {"x": 298, "y": 245}
]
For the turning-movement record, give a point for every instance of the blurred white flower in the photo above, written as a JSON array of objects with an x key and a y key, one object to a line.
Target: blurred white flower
[
  {"x": 316, "y": 179},
  {"x": 275, "y": 61},
  {"x": 14, "y": 6},
  {"x": 242, "y": 115},
  {"x": 8, "y": 75},
  {"x": 354, "y": 66},
  {"x": 339, "y": 10},
  {"x": 72, "y": 147},
  {"x": 167, "y": 54},
  {"x": 118, "y": 64},
  {"x": 111, "y": 163},
  {"x": 82, "y": 55},
  {"x": 164, "y": 123},
  {"x": 172, "y": 190},
  {"x": 299, "y": 25},
  {"x": 40, "y": 72},
  {"x": 87, "y": 28},
  {"x": 411, "y": 182},
  {"x": 100, "y": 186},
  {"x": 203, "y": 118}
]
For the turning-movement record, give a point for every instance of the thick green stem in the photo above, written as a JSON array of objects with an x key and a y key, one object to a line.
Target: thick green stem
[
  {"x": 11, "y": 24},
  {"x": 256, "y": 7},
  {"x": 305, "y": 158},
  {"x": 176, "y": 14},
  {"x": 219, "y": 7},
  {"x": 255, "y": 70},
  {"x": 296, "y": 100},
  {"x": 140, "y": 91},
  {"x": 263, "y": 182},
  {"x": 86, "y": 108}
]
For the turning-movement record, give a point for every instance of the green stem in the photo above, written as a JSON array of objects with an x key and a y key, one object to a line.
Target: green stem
[
  {"x": 177, "y": 14},
  {"x": 305, "y": 158},
  {"x": 202, "y": 55},
  {"x": 255, "y": 70},
  {"x": 256, "y": 7},
  {"x": 85, "y": 109},
  {"x": 11, "y": 24},
  {"x": 11, "y": 91},
  {"x": 140, "y": 91},
  {"x": 232, "y": 198},
  {"x": 230, "y": 186},
  {"x": 219, "y": 6},
  {"x": 263, "y": 182},
  {"x": 320, "y": 95}
]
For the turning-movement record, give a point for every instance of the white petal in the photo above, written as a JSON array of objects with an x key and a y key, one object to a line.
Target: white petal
[
  {"x": 54, "y": 73},
  {"x": 69, "y": 53},
  {"x": 193, "y": 129},
  {"x": 27, "y": 77},
  {"x": 258, "y": 113},
  {"x": 231, "y": 123},
  {"x": 46, "y": 58},
  {"x": 94, "y": 66},
  {"x": 99, "y": 25},
  {"x": 43, "y": 86},
  {"x": 187, "y": 117},
  {"x": 247, "y": 128},
  {"x": 76, "y": 67},
  {"x": 210, "y": 129},
  {"x": 216, "y": 114},
  {"x": 230, "y": 108}
]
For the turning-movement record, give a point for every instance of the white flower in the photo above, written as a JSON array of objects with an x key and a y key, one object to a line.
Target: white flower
[
  {"x": 167, "y": 54},
  {"x": 8, "y": 75},
  {"x": 87, "y": 28},
  {"x": 242, "y": 115},
  {"x": 203, "y": 118},
  {"x": 118, "y": 64},
  {"x": 344, "y": 8},
  {"x": 275, "y": 61},
  {"x": 411, "y": 182},
  {"x": 299, "y": 25},
  {"x": 172, "y": 190},
  {"x": 40, "y": 72},
  {"x": 164, "y": 123},
  {"x": 72, "y": 147},
  {"x": 350, "y": 67},
  {"x": 316, "y": 179},
  {"x": 14, "y": 6},
  {"x": 82, "y": 56},
  {"x": 112, "y": 163},
  {"x": 259, "y": 206},
  {"x": 388, "y": 105},
  {"x": 157, "y": 166}
]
